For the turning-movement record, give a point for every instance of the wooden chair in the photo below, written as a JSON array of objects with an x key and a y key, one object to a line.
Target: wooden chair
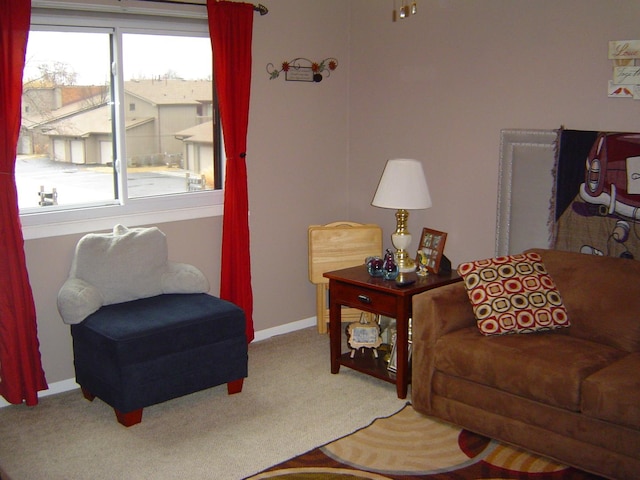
[{"x": 335, "y": 246}]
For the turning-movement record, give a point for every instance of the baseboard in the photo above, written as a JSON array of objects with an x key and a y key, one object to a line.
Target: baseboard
[
  {"x": 286, "y": 328},
  {"x": 56, "y": 387},
  {"x": 70, "y": 383}
]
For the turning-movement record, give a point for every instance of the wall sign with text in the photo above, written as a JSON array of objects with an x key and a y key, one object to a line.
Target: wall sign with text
[
  {"x": 626, "y": 69},
  {"x": 303, "y": 70}
]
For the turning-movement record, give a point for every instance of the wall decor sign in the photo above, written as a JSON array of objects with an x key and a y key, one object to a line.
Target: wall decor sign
[
  {"x": 303, "y": 70},
  {"x": 624, "y": 49},
  {"x": 626, "y": 71},
  {"x": 626, "y": 75}
]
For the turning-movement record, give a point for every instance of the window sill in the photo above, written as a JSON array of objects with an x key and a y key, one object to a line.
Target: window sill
[{"x": 53, "y": 224}]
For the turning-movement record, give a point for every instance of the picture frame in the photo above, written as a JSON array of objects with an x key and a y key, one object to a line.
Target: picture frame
[
  {"x": 393, "y": 358},
  {"x": 364, "y": 334},
  {"x": 430, "y": 251},
  {"x": 387, "y": 329}
]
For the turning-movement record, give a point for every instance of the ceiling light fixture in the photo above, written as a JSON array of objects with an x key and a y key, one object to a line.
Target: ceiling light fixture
[{"x": 405, "y": 10}]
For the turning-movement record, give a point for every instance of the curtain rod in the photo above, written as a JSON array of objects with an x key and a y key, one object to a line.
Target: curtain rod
[{"x": 257, "y": 8}]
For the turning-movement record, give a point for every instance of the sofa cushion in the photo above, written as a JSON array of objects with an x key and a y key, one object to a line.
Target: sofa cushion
[
  {"x": 548, "y": 367},
  {"x": 138, "y": 353},
  {"x": 601, "y": 294},
  {"x": 613, "y": 393},
  {"x": 162, "y": 325},
  {"x": 513, "y": 294}
]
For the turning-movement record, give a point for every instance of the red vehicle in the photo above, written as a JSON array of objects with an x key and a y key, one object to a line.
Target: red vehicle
[{"x": 612, "y": 178}]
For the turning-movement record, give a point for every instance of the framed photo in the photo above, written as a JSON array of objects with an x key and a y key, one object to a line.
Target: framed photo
[
  {"x": 364, "y": 334},
  {"x": 387, "y": 329},
  {"x": 430, "y": 251},
  {"x": 393, "y": 359}
]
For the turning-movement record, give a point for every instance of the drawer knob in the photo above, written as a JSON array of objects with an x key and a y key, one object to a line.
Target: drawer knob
[{"x": 364, "y": 299}]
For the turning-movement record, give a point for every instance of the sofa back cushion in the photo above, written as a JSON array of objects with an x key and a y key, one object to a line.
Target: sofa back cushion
[{"x": 601, "y": 295}]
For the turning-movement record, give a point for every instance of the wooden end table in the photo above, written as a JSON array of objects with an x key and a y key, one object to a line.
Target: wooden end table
[{"x": 354, "y": 287}]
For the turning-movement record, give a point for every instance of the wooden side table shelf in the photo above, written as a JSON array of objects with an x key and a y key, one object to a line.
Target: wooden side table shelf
[{"x": 354, "y": 287}]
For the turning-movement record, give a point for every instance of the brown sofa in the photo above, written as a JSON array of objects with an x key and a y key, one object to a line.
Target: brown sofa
[{"x": 572, "y": 394}]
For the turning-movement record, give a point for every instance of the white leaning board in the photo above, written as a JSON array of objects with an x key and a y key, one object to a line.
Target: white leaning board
[{"x": 525, "y": 188}]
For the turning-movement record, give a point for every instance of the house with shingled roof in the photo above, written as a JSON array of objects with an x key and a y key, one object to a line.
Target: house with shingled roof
[{"x": 155, "y": 111}]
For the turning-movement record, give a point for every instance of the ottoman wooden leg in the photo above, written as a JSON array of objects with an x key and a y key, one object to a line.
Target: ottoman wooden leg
[
  {"x": 235, "y": 386},
  {"x": 87, "y": 394},
  {"x": 129, "y": 418}
]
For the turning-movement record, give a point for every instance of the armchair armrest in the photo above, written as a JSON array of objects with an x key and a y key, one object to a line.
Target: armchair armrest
[
  {"x": 435, "y": 313},
  {"x": 183, "y": 278},
  {"x": 77, "y": 300}
]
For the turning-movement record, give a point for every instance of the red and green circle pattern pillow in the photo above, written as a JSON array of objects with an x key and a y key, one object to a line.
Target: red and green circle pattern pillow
[{"x": 513, "y": 294}]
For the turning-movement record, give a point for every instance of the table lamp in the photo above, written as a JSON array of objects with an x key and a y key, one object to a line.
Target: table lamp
[{"x": 403, "y": 187}]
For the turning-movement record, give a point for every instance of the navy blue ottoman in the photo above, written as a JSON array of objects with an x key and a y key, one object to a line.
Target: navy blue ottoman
[{"x": 139, "y": 353}]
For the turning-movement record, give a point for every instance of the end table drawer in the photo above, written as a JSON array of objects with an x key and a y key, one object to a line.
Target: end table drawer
[{"x": 364, "y": 299}]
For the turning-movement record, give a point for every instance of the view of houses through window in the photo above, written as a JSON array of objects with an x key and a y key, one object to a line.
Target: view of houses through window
[{"x": 90, "y": 138}]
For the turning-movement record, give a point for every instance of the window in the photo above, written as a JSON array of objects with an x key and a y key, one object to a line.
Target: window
[{"x": 83, "y": 155}]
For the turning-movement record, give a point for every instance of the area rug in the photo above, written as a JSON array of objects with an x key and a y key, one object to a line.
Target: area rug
[{"x": 408, "y": 445}]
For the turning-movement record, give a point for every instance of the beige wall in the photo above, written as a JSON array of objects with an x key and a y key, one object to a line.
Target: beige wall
[{"x": 438, "y": 87}]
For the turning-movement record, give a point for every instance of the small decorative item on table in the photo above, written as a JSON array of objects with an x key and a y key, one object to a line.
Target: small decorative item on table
[
  {"x": 430, "y": 251},
  {"x": 389, "y": 266},
  {"x": 364, "y": 334},
  {"x": 374, "y": 266}
]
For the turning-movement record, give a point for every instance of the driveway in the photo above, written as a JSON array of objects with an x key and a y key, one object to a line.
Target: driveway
[{"x": 79, "y": 184}]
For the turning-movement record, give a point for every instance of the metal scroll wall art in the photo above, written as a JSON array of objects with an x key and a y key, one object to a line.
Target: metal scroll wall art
[{"x": 303, "y": 70}]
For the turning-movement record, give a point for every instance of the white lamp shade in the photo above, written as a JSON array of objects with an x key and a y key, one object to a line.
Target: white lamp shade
[{"x": 402, "y": 186}]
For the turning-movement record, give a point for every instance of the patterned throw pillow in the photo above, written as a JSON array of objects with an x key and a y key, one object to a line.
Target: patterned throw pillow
[{"x": 513, "y": 294}]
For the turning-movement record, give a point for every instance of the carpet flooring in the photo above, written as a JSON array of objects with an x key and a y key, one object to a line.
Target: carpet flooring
[
  {"x": 290, "y": 403},
  {"x": 408, "y": 446}
]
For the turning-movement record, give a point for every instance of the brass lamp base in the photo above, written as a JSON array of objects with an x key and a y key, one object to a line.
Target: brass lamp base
[{"x": 401, "y": 240}]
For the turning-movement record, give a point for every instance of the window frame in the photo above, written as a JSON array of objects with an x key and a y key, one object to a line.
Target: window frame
[{"x": 129, "y": 211}]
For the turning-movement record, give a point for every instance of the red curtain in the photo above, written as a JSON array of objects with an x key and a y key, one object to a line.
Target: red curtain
[
  {"x": 231, "y": 27},
  {"x": 21, "y": 374}
]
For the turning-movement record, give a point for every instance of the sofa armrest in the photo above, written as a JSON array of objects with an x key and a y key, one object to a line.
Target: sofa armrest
[{"x": 435, "y": 313}]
